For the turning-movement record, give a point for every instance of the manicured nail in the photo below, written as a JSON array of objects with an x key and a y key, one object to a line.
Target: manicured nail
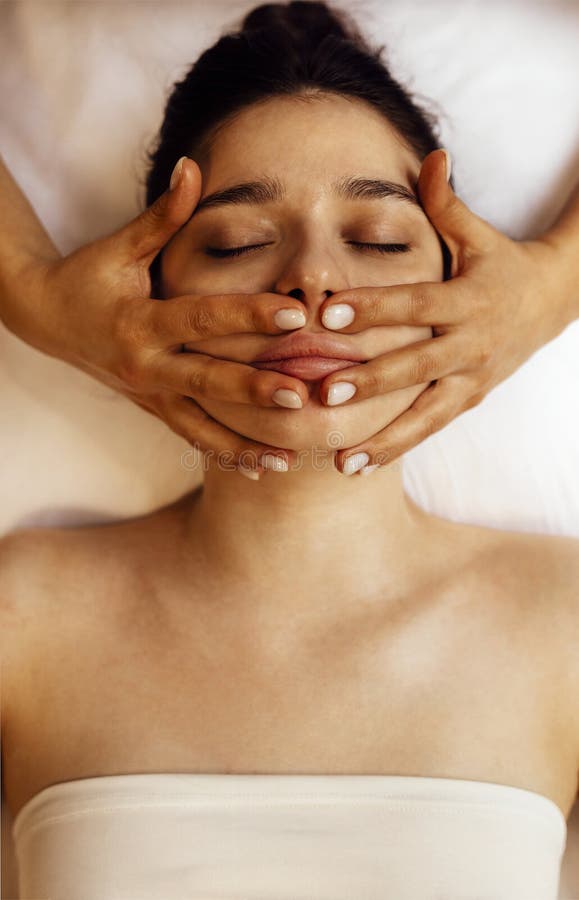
[
  {"x": 340, "y": 391},
  {"x": 176, "y": 176},
  {"x": 367, "y": 469},
  {"x": 338, "y": 316},
  {"x": 448, "y": 165},
  {"x": 289, "y": 318},
  {"x": 355, "y": 462},
  {"x": 249, "y": 473},
  {"x": 275, "y": 463},
  {"x": 285, "y": 397}
]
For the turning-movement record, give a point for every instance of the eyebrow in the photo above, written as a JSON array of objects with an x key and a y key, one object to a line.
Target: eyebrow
[{"x": 271, "y": 190}]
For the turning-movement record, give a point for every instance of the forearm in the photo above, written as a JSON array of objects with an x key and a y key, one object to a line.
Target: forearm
[
  {"x": 564, "y": 236},
  {"x": 24, "y": 242}
]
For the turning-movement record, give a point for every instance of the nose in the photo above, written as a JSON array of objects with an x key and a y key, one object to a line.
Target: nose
[{"x": 311, "y": 275}]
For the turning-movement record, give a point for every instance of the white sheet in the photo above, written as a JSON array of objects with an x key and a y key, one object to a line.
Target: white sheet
[{"x": 82, "y": 89}]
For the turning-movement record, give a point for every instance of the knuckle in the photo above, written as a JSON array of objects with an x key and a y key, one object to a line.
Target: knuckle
[
  {"x": 384, "y": 456},
  {"x": 128, "y": 325},
  {"x": 370, "y": 309},
  {"x": 130, "y": 368},
  {"x": 260, "y": 387},
  {"x": 422, "y": 366},
  {"x": 484, "y": 354},
  {"x": 201, "y": 320},
  {"x": 157, "y": 320},
  {"x": 420, "y": 307},
  {"x": 257, "y": 314},
  {"x": 198, "y": 380},
  {"x": 473, "y": 301},
  {"x": 374, "y": 381},
  {"x": 431, "y": 423},
  {"x": 126, "y": 335},
  {"x": 475, "y": 399},
  {"x": 122, "y": 326}
]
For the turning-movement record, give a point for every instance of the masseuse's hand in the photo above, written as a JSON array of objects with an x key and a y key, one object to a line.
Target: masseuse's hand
[
  {"x": 500, "y": 306},
  {"x": 104, "y": 322}
]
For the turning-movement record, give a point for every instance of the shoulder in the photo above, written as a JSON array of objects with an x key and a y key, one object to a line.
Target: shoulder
[
  {"x": 530, "y": 583},
  {"x": 26, "y": 557},
  {"x": 526, "y": 564},
  {"x": 539, "y": 573},
  {"x": 33, "y": 561},
  {"x": 30, "y": 560},
  {"x": 29, "y": 555},
  {"x": 541, "y": 576},
  {"x": 44, "y": 571},
  {"x": 545, "y": 565},
  {"x": 77, "y": 572}
]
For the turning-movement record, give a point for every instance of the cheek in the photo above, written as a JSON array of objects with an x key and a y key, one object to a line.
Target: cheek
[{"x": 183, "y": 273}]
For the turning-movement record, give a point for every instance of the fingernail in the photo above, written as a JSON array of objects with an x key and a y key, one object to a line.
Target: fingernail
[
  {"x": 338, "y": 316},
  {"x": 176, "y": 176},
  {"x": 339, "y": 392},
  {"x": 289, "y": 318},
  {"x": 285, "y": 397},
  {"x": 275, "y": 463},
  {"x": 448, "y": 164},
  {"x": 367, "y": 469},
  {"x": 249, "y": 473},
  {"x": 355, "y": 462}
]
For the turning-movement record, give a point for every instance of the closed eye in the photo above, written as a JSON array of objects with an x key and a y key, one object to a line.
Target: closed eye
[
  {"x": 382, "y": 248},
  {"x": 222, "y": 252}
]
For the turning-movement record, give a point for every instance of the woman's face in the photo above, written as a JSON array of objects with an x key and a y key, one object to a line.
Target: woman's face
[{"x": 311, "y": 244}]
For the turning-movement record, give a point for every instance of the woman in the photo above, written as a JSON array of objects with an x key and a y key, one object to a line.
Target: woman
[
  {"x": 305, "y": 686},
  {"x": 509, "y": 298}
]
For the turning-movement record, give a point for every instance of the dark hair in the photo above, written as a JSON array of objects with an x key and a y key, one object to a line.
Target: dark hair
[{"x": 281, "y": 49}]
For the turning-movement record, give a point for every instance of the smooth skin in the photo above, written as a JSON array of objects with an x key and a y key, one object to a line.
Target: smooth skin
[
  {"x": 308, "y": 240},
  {"x": 130, "y": 343},
  {"x": 306, "y": 623}
]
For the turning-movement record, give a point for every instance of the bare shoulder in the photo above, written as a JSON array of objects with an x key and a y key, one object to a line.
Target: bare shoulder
[
  {"x": 85, "y": 570},
  {"x": 526, "y": 564},
  {"x": 540, "y": 576},
  {"x": 30, "y": 560},
  {"x": 46, "y": 573},
  {"x": 546, "y": 565},
  {"x": 538, "y": 572},
  {"x": 530, "y": 580},
  {"x": 27, "y": 557}
]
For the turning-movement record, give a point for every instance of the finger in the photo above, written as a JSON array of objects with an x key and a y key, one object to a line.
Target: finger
[
  {"x": 454, "y": 221},
  {"x": 432, "y": 410},
  {"x": 431, "y": 303},
  {"x": 190, "y": 318},
  {"x": 226, "y": 448},
  {"x": 207, "y": 377},
  {"x": 143, "y": 238},
  {"x": 413, "y": 364}
]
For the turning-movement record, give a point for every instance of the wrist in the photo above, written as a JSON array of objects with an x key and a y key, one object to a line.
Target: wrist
[
  {"x": 563, "y": 238},
  {"x": 25, "y": 308},
  {"x": 558, "y": 263}
]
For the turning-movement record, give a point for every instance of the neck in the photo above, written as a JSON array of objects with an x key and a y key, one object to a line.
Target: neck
[{"x": 306, "y": 535}]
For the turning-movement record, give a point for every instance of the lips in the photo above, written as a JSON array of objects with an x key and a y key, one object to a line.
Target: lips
[
  {"x": 310, "y": 356},
  {"x": 310, "y": 368},
  {"x": 298, "y": 345}
]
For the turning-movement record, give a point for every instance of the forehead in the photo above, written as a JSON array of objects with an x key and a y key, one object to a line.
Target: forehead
[{"x": 307, "y": 141}]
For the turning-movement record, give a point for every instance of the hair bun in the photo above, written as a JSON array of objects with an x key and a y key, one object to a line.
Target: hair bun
[{"x": 315, "y": 19}]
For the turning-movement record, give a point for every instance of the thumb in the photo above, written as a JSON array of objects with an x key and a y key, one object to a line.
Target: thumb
[
  {"x": 455, "y": 222},
  {"x": 144, "y": 237}
]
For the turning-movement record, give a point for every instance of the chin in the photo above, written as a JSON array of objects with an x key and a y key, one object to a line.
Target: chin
[{"x": 315, "y": 427}]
